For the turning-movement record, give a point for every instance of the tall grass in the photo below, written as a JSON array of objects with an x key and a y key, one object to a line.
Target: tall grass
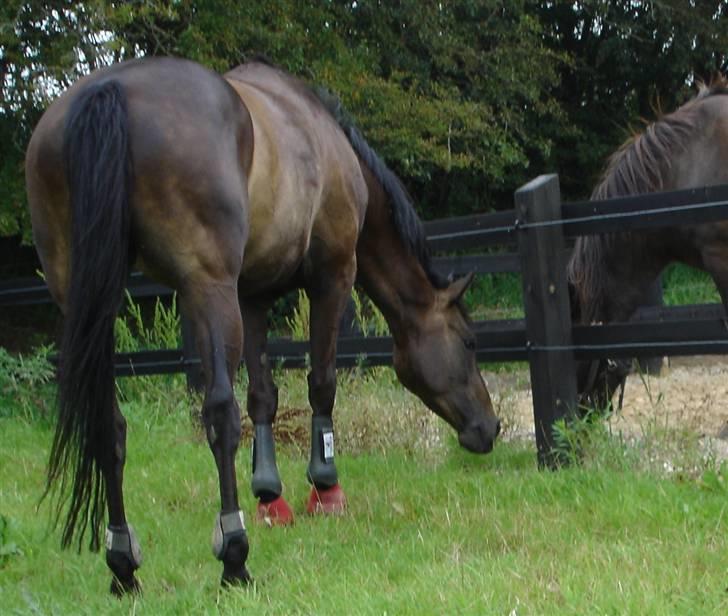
[{"x": 134, "y": 332}]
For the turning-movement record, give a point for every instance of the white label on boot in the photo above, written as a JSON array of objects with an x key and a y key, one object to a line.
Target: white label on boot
[{"x": 328, "y": 446}]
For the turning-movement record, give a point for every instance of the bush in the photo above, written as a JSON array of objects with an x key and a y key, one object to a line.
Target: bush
[{"x": 25, "y": 384}]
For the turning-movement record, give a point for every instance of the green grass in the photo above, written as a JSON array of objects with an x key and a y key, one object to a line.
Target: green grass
[
  {"x": 495, "y": 296},
  {"x": 685, "y": 285},
  {"x": 430, "y": 529},
  {"x": 500, "y": 296}
]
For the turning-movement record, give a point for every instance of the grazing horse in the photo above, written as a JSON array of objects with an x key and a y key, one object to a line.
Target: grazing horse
[
  {"x": 231, "y": 190},
  {"x": 611, "y": 273}
]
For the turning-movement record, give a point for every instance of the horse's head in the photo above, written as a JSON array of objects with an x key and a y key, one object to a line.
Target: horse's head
[
  {"x": 598, "y": 379},
  {"x": 436, "y": 361}
]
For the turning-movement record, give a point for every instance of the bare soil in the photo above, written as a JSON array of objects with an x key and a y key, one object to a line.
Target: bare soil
[{"x": 690, "y": 396}]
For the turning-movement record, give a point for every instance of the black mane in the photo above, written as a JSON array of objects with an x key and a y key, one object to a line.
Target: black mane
[
  {"x": 641, "y": 165},
  {"x": 406, "y": 222}
]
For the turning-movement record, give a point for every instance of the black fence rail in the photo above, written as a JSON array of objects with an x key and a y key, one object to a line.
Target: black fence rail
[{"x": 537, "y": 232}]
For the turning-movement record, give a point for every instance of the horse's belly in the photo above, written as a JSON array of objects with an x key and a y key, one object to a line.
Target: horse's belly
[{"x": 272, "y": 257}]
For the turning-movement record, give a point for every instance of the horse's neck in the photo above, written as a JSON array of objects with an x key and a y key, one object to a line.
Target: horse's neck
[{"x": 389, "y": 274}]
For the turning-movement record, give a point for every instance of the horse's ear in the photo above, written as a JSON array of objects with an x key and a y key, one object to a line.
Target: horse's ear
[{"x": 457, "y": 288}]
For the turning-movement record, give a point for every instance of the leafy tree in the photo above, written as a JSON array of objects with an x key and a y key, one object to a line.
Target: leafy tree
[
  {"x": 442, "y": 90},
  {"x": 465, "y": 99},
  {"x": 629, "y": 59}
]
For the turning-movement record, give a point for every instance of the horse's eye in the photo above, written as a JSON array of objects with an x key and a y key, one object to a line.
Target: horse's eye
[{"x": 469, "y": 343}]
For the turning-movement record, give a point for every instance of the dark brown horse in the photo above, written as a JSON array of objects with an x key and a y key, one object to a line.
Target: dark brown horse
[
  {"x": 612, "y": 273},
  {"x": 231, "y": 190}
]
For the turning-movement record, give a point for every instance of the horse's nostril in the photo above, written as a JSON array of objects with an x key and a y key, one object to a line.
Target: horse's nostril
[{"x": 497, "y": 427}]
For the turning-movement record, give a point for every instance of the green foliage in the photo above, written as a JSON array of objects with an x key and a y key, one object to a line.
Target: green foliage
[
  {"x": 606, "y": 91},
  {"x": 367, "y": 316},
  {"x": 465, "y": 100},
  {"x": 136, "y": 331},
  {"x": 685, "y": 285},
  {"x": 584, "y": 439},
  {"x": 132, "y": 334},
  {"x": 370, "y": 320},
  {"x": 25, "y": 384},
  {"x": 495, "y": 296},
  {"x": 298, "y": 322}
]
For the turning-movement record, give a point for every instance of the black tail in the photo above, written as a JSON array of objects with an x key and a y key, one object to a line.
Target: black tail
[{"x": 99, "y": 177}]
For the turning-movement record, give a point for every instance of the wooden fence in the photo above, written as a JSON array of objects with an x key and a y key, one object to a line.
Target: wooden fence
[{"x": 539, "y": 226}]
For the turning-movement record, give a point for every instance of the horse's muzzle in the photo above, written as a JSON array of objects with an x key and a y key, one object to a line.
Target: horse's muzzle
[{"x": 479, "y": 438}]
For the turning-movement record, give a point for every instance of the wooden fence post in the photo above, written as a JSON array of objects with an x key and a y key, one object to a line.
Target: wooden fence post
[
  {"x": 193, "y": 371},
  {"x": 546, "y": 304}
]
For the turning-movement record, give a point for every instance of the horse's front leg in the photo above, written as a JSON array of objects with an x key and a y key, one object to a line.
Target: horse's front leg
[
  {"x": 328, "y": 293},
  {"x": 262, "y": 406}
]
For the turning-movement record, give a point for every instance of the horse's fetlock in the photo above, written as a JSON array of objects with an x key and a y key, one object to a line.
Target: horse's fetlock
[
  {"x": 229, "y": 537},
  {"x": 123, "y": 557}
]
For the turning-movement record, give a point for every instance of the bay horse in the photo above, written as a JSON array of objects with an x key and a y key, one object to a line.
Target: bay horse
[
  {"x": 231, "y": 190},
  {"x": 611, "y": 273}
]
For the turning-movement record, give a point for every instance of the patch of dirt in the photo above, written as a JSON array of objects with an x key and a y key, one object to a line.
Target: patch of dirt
[
  {"x": 689, "y": 395},
  {"x": 291, "y": 427}
]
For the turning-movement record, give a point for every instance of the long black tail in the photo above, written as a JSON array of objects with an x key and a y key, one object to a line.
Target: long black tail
[{"x": 99, "y": 176}]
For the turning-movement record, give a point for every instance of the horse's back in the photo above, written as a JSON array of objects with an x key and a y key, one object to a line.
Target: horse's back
[
  {"x": 305, "y": 183},
  {"x": 187, "y": 141}
]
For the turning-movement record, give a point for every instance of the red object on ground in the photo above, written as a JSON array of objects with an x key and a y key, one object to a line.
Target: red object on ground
[
  {"x": 329, "y": 502},
  {"x": 275, "y": 513}
]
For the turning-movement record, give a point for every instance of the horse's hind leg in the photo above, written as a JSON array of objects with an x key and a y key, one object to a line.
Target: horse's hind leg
[
  {"x": 262, "y": 407},
  {"x": 328, "y": 290},
  {"x": 123, "y": 554},
  {"x": 213, "y": 308}
]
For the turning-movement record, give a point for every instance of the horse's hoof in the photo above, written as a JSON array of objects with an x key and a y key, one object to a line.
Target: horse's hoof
[
  {"x": 241, "y": 578},
  {"x": 331, "y": 501},
  {"x": 130, "y": 586},
  {"x": 275, "y": 513}
]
